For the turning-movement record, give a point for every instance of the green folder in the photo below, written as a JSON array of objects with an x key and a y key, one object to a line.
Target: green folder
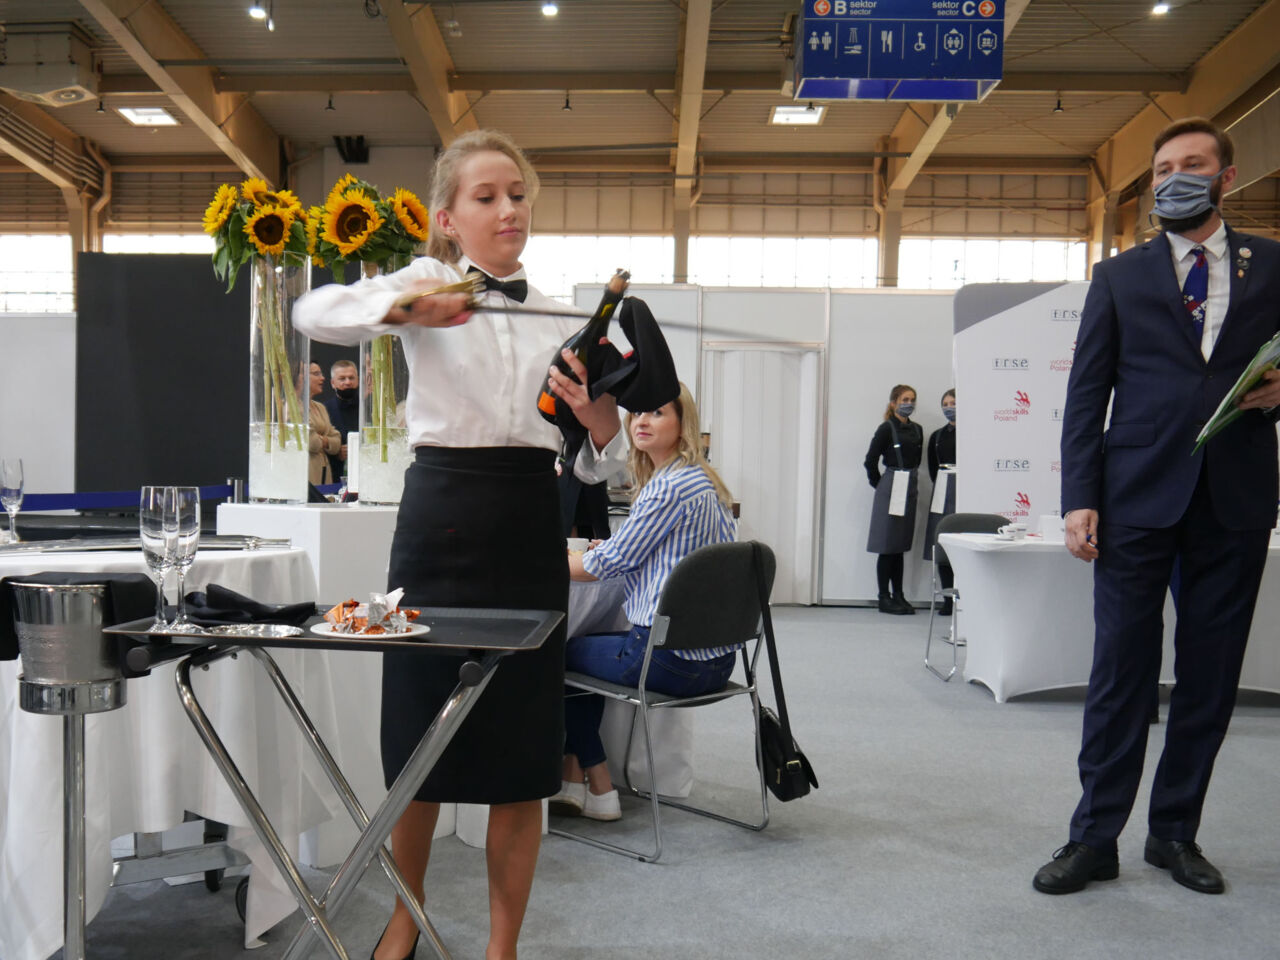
[{"x": 1267, "y": 358}]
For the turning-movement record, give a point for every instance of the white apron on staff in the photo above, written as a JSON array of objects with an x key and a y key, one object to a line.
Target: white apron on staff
[
  {"x": 893, "y": 512},
  {"x": 942, "y": 505}
]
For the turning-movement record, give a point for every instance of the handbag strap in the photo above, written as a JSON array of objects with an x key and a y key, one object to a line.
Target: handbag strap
[{"x": 771, "y": 644}]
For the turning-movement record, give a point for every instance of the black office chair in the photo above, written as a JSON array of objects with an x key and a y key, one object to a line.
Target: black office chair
[
  {"x": 953, "y": 523},
  {"x": 711, "y": 599}
]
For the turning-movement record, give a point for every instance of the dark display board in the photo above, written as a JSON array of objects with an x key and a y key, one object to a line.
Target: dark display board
[{"x": 162, "y": 371}]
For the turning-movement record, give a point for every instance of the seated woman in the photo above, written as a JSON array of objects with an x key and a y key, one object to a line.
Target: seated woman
[{"x": 680, "y": 504}]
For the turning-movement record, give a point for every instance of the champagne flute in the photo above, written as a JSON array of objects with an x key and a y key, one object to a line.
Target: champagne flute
[
  {"x": 11, "y": 493},
  {"x": 158, "y": 528},
  {"x": 187, "y": 511}
]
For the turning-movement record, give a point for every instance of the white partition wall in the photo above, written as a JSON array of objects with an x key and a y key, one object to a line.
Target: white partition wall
[
  {"x": 38, "y": 398},
  {"x": 878, "y": 338}
]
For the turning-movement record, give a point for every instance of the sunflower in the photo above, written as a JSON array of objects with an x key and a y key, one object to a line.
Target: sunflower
[
  {"x": 287, "y": 200},
  {"x": 268, "y": 229},
  {"x": 413, "y": 216},
  {"x": 349, "y": 221},
  {"x": 344, "y": 181},
  {"x": 312, "y": 218},
  {"x": 224, "y": 201},
  {"x": 254, "y": 190}
]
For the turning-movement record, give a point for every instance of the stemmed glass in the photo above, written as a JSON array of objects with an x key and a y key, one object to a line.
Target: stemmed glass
[
  {"x": 158, "y": 528},
  {"x": 187, "y": 506},
  {"x": 11, "y": 493}
]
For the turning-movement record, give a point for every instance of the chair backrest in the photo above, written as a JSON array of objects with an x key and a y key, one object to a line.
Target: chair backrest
[
  {"x": 966, "y": 523},
  {"x": 711, "y": 597}
]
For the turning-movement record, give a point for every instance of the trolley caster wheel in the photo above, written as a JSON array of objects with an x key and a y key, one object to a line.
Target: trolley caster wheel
[{"x": 242, "y": 897}]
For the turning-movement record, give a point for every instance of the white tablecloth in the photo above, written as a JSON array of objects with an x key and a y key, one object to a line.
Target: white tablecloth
[
  {"x": 144, "y": 763},
  {"x": 1026, "y": 614}
]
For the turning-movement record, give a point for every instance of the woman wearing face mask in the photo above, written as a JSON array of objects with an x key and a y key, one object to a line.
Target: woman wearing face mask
[
  {"x": 942, "y": 453},
  {"x": 897, "y": 443},
  {"x": 680, "y": 504},
  {"x": 479, "y": 521}
]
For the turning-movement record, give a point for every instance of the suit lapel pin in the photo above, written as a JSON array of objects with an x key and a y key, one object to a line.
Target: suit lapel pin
[{"x": 1243, "y": 256}]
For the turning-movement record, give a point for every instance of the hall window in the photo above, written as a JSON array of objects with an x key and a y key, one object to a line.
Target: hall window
[
  {"x": 35, "y": 274},
  {"x": 947, "y": 263}
]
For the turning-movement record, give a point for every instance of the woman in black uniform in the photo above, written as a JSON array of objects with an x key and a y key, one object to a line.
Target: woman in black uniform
[
  {"x": 942, "y": 452},
  {"x": 898, "y": 443},
  {"x": 479, "y": 522}
]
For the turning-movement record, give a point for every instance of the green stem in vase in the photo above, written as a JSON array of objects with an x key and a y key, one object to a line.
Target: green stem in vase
[{"x": 264, "y": 332}]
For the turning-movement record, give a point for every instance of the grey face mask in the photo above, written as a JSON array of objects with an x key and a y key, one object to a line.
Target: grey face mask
[
  {"x": 906, "y": 409},
  {"x": 949, "y": 413},
  {"x": 1184, "y": 195}
]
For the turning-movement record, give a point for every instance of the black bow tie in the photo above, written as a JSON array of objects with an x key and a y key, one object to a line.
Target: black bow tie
[{"x": 517, "y": 290}]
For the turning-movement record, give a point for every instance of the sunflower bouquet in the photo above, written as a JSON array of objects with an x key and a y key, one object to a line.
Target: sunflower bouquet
[
  {"x": 357, "y": 224},
  {"x": 267, "y": 229}
]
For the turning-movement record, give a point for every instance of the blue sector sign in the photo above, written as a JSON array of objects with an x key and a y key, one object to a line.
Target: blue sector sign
[{"x": 899, "y": 49}]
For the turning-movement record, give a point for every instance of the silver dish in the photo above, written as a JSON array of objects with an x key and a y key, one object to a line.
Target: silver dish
[{"x": 265, "y": 630}]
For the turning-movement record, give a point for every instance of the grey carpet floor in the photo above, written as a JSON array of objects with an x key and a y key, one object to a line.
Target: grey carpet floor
[{"x": 936, "y": 807}]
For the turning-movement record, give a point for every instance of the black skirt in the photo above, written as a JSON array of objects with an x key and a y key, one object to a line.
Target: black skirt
[{"x": 480, "y": 527}]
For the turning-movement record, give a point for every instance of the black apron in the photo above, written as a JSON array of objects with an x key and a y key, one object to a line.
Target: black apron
[
  {"x": 480, "y": 527},
  {"x": 890, "y": 534},
  {"x": 949, "y": 501}
]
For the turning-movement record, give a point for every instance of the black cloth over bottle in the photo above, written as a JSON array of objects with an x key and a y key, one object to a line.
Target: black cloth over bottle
[
  {"x": 480, "y": 527},
  {"x": 216, "y": 604},
  {"x": 642, "y": 380}
]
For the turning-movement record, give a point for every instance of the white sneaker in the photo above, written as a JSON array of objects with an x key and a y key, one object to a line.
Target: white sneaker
[
  {"x": 570, "y": 800},
  {"x": 602, "y": 806}
]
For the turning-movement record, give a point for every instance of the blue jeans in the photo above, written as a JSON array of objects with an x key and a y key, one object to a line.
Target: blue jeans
[{"x": 618, "y": 657}]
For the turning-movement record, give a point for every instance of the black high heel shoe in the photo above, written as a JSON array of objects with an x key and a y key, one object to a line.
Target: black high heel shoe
[{"x": 408, "y": 956}]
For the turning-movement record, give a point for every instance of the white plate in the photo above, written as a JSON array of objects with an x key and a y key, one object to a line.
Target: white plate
[{"x": 326, "y": 629}]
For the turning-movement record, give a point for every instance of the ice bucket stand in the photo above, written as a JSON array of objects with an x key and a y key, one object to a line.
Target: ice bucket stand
[{"x": 68, "y": 671}]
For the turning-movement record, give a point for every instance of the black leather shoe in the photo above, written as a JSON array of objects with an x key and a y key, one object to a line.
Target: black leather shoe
[
  {"x": 886, "y": 604},
  {"x": 946, "y": 608},
  {"x": 408, "y": 956},
  {"x": 1073, "y": 866},
  {"x": 902, "y": 606},
  {"x": 1186, "y": 863}
]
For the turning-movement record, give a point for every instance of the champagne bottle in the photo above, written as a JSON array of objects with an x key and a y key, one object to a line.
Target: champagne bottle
[{"x": 585, "y": 339}]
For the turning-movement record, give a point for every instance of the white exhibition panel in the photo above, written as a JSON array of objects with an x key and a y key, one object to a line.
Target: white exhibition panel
[
  {"x": 878, "y": 338},
  {"x": 1014, "y": 345},
  {"x": 38, "y": 398}
]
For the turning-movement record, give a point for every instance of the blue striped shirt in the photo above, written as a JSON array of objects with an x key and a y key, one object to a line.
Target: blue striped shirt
[{"x": 676, "y": 512}]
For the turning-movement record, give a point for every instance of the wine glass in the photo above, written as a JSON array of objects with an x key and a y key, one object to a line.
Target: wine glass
[
  {"x": 187, "y": 508},
  {"x": 158, "y": 528},
  {"x": 11, "y": 493}
]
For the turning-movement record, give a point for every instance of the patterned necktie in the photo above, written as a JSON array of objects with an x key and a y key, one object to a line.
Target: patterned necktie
[
  {"x": 517, "y": 290},
  {"x": 1195, "y": 291}
]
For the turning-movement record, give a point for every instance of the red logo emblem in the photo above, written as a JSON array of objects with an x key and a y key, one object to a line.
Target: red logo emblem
[
  {"x": 1021, "y": 399},
  {"x": 823, "y": 7},
  {"x": 987, "y": 8},
  {"x": 1022, "y": 500}
]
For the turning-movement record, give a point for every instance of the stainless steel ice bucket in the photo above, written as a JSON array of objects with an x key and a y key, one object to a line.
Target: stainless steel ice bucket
[{"x": 67, "y": 662}]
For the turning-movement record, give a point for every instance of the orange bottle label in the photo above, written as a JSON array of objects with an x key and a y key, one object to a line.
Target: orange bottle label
[{"x": 547, "y": 403}]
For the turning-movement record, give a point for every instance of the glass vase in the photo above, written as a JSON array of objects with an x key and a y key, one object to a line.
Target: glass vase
[
  {"x": 385, "y": 453},
  {"x": 279, "y": 362}
]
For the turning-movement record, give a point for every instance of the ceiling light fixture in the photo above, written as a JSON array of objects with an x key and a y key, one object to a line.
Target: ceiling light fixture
[
  {"x": 567, "y": 106},
  {"x": 148, "y": 116},
  {"x": 1058, "y": 108},
  {"x": 1160, "y": 9},
  {"x": 330, "y": 106},
  {"x": 271, "y": 15},
  {"x": 794, "y": 115},
  {"x": 258, "y": 11},
  {"x": 549, "y": 9},
  {"x": 101, "y": 108}
]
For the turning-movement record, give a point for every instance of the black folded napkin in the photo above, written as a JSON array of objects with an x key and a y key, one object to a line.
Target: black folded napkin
[
  {"x": 129, "y": 596},
  {"x": 643, "y": 379},
  {"x": 217, "y": 605}
]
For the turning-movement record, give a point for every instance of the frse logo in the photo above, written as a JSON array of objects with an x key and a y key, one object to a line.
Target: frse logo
[
  {"x": 1010, "y": 363},
  {"x": 1064, "y": 314},
  {"x": 1013, "y": 466}
]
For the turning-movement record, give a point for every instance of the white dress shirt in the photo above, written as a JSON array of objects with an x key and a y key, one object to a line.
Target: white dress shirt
[
  {"x": 475, "y": 385},
  {"x": 1217, "y": 253}
]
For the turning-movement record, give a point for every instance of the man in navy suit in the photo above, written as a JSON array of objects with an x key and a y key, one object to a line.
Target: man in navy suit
[{"x": 1166, "y": 330}]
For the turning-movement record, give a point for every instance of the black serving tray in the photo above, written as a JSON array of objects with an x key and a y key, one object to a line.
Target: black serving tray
[{"x": 453, "y": 629}]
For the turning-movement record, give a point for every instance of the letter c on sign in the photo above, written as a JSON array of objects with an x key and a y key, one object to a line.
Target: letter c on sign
[{"x": 968, "y": 8}]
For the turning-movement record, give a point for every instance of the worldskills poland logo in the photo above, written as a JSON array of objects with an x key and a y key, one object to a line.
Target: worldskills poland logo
[
  {"x": 1063, "y": 364},
  {"x": 1021, "y": 407},
  {"x": 1021, "y": 506}
]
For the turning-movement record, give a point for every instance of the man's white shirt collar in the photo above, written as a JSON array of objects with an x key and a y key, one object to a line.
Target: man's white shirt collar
[{"x": 1215, "y": 245}]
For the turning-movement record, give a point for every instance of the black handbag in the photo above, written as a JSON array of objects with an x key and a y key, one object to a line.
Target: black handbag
[{"x": 787, "y": 771}]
